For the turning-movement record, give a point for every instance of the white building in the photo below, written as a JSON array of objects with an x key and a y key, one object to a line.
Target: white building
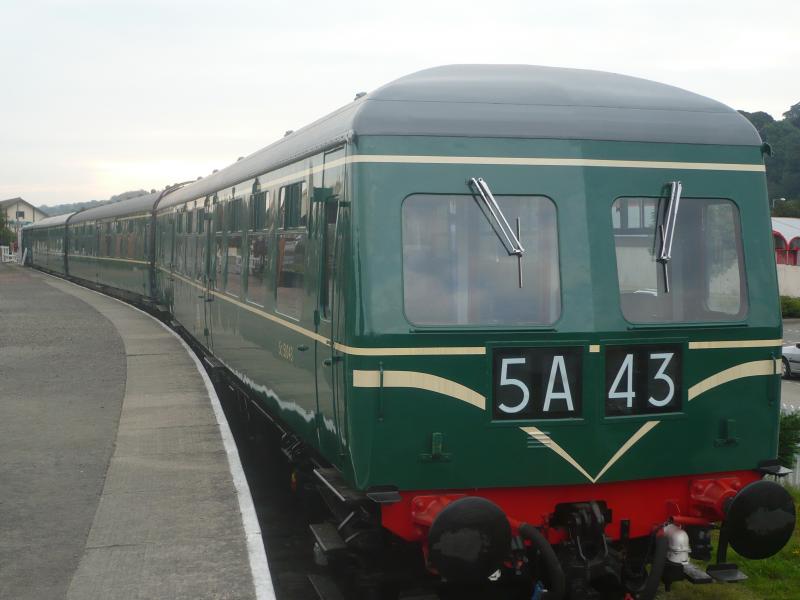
[{"x": 18, "y": 213}]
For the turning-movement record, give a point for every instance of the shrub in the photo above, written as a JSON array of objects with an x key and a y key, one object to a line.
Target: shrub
[
  {"x": 789, "y": 439},
  {"x": 790, "y": 307}
]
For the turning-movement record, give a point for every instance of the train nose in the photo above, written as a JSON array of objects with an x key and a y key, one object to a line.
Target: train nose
[
  {"x": 760, "y": 519},
  {"x": 469, "y": 539}
]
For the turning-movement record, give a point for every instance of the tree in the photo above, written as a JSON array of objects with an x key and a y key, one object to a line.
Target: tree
[
  {"x": 783, "y": 167},
  {"x": 6, "y": 235},
  {"x": 789, "y": 439},
  {"x": 793, "y": 115},
  {"x": 790, "y": 208},
  {"x": 759, "y": 119}
]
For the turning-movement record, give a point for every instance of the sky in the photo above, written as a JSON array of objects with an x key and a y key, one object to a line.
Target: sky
[{"x": 98, "y": 97}]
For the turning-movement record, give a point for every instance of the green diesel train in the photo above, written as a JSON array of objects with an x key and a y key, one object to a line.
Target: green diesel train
[{"x": 523, "y": 320}]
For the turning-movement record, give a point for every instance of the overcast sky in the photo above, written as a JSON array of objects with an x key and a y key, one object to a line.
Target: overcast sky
[{"x": 99, "y": 97}]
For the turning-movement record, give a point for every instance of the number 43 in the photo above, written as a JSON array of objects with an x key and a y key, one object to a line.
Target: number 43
[{"x": 626, "y": 373}]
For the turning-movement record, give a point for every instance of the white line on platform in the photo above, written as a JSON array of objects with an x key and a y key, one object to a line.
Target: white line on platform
[{"x": 259, "y": 568}]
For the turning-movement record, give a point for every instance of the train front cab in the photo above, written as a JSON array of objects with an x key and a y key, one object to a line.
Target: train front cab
[{"x": 540, "y": 368}]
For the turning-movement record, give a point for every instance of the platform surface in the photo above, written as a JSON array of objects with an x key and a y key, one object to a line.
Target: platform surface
[{"x": 114, "y": 478}]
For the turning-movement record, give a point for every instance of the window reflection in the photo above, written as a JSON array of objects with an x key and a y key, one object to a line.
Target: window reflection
[
  {"x": 706, "y": 272},
  {"x": 234, "y": 264},
  {"x": 457, "y": 272},
  {"x": 258, "y": 262},
  {"x": 291, "y": 273}
]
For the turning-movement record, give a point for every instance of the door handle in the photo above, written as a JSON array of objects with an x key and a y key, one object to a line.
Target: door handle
[
  {"x": 302, "y": 347},
  {"x": 329, "y": 361}
]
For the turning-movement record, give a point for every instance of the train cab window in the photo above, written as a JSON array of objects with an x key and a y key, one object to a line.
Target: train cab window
[
  {"x": 704, "y": 279},
  {"x": 258, "y": 241},
  {"x": 292, "y": 241},
  {"x": 457, "y": 272}
]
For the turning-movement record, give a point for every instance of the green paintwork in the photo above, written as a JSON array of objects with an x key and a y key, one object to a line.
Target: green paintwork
[
  {"x": 112, "y": 252},
  {"x": 316, "y": 399},
  {"x": 45, "y": 248},
  {"x": 486, "y": 454},
  {"x": 387, "y": 451}
]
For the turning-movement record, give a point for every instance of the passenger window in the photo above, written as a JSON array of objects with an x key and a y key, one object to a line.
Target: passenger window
[
  {"x": 122, "y": 241},
  {"x": 107, "y": 249},
  {"x": 189, "y": 240},
  {"x": 291, "y": 273},
  {"x": 291, "y": 260},
  {"x": 258, "y": 209},
  {"x": 233, "y": 269},
  {"x": 258, "y": 240},
  {"x": 218, "y": 259},
  {"x": 294, "y": 205},
  {"x": 200, "y": 273}
]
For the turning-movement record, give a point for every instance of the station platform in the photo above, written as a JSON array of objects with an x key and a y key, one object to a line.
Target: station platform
[{"x": 119, "y": 477}]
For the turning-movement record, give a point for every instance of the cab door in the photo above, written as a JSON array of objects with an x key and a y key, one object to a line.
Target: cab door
[{"x": 329, "y": 210}]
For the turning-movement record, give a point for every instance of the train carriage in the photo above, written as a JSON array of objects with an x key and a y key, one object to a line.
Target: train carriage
[
  {"x": 109, "y": 245},
  {"x": 44, "y": 243},
  {"x": 502, "y": 310}
]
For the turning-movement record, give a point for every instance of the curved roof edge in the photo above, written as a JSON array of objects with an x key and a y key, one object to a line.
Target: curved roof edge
[
  {"x": 143, "y": 203},
  {"x": 49, "y": 222},
  {"x": 503, "y": 101}
]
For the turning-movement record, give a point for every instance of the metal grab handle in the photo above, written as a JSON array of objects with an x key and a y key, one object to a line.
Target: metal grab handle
[{"x": 302, "y": 347}]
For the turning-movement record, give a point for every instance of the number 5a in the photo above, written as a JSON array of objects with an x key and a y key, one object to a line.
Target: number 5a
[{"x": 506, "y": 380}]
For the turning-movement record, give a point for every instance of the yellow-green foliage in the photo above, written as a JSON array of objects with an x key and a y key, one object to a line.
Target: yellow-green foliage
[
  {"x": 776, "y": 578},
  {"x": 789, "y": 441},
  {"x": 790, "y": 307}
]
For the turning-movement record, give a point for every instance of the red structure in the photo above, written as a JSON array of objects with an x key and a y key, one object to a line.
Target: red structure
[{"x": 786, "y": 233}]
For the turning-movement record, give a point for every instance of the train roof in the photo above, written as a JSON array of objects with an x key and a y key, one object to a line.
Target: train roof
[
  {"x": 503, "y": 101},
  {"x": 131, "y": 206},
  {"x": 49, "y": 222}
]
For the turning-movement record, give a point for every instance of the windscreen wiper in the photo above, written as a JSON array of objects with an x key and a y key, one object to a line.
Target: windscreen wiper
[
  {"x": 667, "y": 229},
  {"x": 496, "y": 218}
]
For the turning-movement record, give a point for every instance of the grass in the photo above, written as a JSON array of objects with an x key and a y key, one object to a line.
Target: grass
[{"x": 776, "y": 578}]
